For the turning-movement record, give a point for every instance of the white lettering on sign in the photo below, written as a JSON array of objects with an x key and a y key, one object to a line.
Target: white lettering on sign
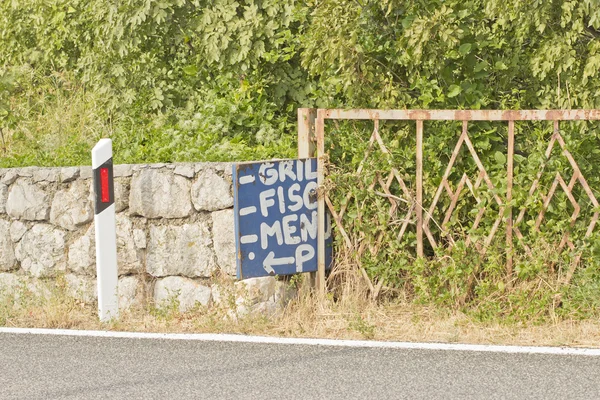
[
  {"x": 309, "y": 174},
  {"x": 249, "y": 239},
  {"x": 304, "y": 253},
  {"x": 296, "y": 229},
  {"x": 300, "y": 170},
  {"x": 247, "y": 210},
  {"x": 244, "y": 180},
  {"x": 267, "y": 174},
  {"x": 266, "y": 201},
  {"x": 271, "y": 260},
  {"x": 286, "y": 169},
  {"x": 290, "y": 199},
  {"x": 308, "y": 227},
  {"x": 296, "y": 199},
  {"x": 288, "y": 229},
  {"x": 281, "y": 199},
  {"x": 266, "y": 231}
]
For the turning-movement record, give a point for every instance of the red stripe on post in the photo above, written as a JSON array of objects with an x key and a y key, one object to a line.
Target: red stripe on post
[{"x": 104, "y": 192}]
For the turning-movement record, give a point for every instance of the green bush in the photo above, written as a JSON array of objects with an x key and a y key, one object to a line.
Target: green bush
[
  {"x": 177, "y": 80},
  {"x": 168, "y": 80}
]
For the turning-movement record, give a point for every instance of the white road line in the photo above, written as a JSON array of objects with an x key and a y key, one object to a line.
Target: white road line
[
  {"x": 210, "y": 337},
  {"x": 249, "y": 239},
  {"x": 247, "y": 210},
  {"x": 246, "y": 179}
]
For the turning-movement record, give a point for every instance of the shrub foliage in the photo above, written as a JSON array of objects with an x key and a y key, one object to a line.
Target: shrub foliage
[{"x": 177, "y": 80}]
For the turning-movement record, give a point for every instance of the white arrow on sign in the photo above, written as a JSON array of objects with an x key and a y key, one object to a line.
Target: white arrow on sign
[{"x": 270, "y": 261}]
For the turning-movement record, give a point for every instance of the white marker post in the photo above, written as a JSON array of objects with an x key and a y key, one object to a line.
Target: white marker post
[{"x": 106, "y": 237}]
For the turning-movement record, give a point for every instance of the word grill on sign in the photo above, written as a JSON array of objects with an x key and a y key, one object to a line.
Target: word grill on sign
[{"x": 275, "y": 205}]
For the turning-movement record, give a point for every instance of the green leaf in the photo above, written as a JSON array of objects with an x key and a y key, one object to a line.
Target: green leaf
[
  {"x": 407, "y": 22},
  {"x": 500, "y": 158},
  {"x": 465, "y": 49},
  {"x": 480, "y": 66},
  {"x": 453, "y": 91},
  {"x": 501, "y": 66},
  {"x": 191, "y": 70}
]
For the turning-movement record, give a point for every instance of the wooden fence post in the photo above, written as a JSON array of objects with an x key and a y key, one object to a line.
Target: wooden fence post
[
  {"x": 320, "y": 132},
  {"x": 306, "y": 149},
  {"x": 306, "y": 132},
  {"x": 509, "y": 186},
  {"x": 419, "y": 179}
]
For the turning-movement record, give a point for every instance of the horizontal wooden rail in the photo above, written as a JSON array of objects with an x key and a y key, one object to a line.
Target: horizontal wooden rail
[{"x": 463, "y": 115}]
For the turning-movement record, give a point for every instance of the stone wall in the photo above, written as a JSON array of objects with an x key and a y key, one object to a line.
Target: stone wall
[{"x": 175, "y": 232}]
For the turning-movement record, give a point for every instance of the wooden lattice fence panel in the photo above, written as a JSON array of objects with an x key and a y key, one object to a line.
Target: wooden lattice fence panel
[{"x": 420, "y": 211}]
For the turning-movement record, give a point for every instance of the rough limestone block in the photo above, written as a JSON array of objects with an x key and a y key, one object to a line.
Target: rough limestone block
[
  {"x": 139, "y": 238},
  {"x": 200, "y": 166},
  {"x": 131, "y": 292},
  {"x": 82, "y": 254},
  {"x": 211, "y": 192},
  {"x": 180, "y": 250},
  {"x": 86, "y": 172},
  {"x": 265, "y": 296},
  {"x": 256, "y": 290},
  {"x": 224, "y": 168},
  {"x": 7, "y": 252},
  {"x": 26, "y": 172},
  {"x": 127, "y": 256},
  {"x": 186, "y": 291},
  {"x": 224, "y": 240},
  {"x": 72, "y": 207},
  {"x": 69, "y": 174},
  {"x": 28, "y": 201},
  {"x": 41, "y": 251},
  {"x": 82, "y": 288},
  {"x": 122, "y": 170},
  {"x": 158, "y": 193},
  {"x": 186, "y": 170},
  {"x": 3, "y": 197},
  {"x": 9, "y": 177},
  {"x": 46, "y": 174},
  {"x": 17, "y": 230},
  {"x": 121, "y": 194},
  {"x": 139, "y": 167}
]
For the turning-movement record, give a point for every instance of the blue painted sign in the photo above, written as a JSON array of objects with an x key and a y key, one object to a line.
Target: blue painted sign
[{"x": 275, "y": 205}]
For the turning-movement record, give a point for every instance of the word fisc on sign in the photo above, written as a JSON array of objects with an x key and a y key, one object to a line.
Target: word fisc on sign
[{"x": 275, "y": 206}]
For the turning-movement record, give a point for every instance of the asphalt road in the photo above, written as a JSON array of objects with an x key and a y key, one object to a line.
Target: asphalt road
[{"x": 63, "y": 367}]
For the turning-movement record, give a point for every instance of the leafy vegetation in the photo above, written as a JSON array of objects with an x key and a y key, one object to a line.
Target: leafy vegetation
[
  {"x": 177, "y": 80},
  {"x": 167, "y": 80},
  {"x": 465, "y": 54}
]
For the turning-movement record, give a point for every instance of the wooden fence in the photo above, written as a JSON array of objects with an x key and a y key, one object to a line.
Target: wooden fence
[{"x": 311, "y": 129}]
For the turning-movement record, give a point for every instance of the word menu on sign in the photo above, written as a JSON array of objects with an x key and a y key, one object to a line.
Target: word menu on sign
[{"x": 275, "y": 206}]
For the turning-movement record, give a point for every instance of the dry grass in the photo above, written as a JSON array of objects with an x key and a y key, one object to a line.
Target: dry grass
[{"x": 351, "y": 316}]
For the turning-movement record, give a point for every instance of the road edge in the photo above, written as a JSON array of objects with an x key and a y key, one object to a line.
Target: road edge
[{"x": 210, "y": 337}]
